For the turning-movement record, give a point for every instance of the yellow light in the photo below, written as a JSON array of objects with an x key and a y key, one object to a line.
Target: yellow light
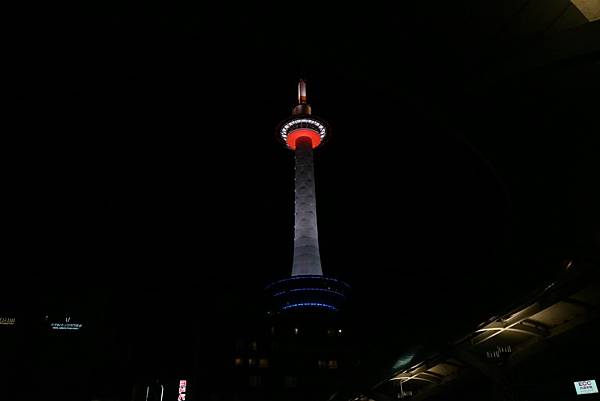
[{"x": 589, "y": 8}]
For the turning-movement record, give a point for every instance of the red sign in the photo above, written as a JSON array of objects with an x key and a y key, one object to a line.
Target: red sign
[{"x": 182, "y": 389}]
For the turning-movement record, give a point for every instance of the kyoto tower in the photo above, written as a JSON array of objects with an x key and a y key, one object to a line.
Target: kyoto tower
[{"x": 307, "y": 287}]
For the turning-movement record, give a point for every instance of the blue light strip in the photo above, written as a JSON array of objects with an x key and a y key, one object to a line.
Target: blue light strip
[
  {"x": 308, "y": 289},
  {"x": 308, "y": 277},
  {"x": 309, "y": 304}
]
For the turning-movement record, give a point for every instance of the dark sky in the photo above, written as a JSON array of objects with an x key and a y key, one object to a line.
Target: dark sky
[{"x": 147, "y": 178}]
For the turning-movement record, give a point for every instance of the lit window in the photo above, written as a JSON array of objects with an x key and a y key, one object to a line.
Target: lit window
[
  {"x": 238, "y": 361},
  {"x": 332, "y": 364},
  {"x": 255, "y": 381},
  {"x": 290, "y": 381},
  {"x": 251, "y": 362},
  {"x": 263, "y": 363}
]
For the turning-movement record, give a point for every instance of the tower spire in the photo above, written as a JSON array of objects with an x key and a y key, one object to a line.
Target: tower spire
[
  {"x": 301, "y": 92},
  {"x": 302, "y": 108}
]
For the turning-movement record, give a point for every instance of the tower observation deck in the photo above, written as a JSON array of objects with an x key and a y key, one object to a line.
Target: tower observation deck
[{"x": 307, "y": 287}]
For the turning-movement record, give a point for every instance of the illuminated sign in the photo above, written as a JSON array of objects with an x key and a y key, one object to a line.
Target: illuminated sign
[
  {"x": 67, "y": 325},
  {"x": 7, "y": 321},
  {"x": 499, "y": 351},
  {"x": 586, "y": 387},
  {"x": 182, "y": 389}
]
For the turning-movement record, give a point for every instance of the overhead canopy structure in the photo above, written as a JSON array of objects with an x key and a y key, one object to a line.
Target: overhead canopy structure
[{"x": 515, "y": 340}]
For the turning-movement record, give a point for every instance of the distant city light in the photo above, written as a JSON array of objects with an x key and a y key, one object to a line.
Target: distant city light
[{"x": 586, "y": 387}]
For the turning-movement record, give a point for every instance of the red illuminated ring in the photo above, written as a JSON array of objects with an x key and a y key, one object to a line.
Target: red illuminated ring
[{"x": 313, "y": 135}]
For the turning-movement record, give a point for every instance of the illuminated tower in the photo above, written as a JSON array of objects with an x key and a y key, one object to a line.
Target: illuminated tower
[{"x": 307, "y": 287}]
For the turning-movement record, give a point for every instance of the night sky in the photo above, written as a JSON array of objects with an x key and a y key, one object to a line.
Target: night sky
[{"x": 147, "y": 186}]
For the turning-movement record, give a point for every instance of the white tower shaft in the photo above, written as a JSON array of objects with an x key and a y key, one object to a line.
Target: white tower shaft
[{"x": 307, "y": 259}]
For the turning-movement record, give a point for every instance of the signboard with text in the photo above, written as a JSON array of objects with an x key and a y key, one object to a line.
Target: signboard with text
[
  {"x": 67, "y": 324},
  {"x": 7, "y": 321},
  {"x": 586, "y": 387},
  {"x": 182, "y": 390}
]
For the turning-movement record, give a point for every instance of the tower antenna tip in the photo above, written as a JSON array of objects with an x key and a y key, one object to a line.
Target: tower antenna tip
[{"x": 301, "y": 91}]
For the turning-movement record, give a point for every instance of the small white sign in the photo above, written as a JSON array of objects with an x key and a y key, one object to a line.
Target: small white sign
[
  {"x": 65, "y": 326},
  {"x": 586, "y": 387}
]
